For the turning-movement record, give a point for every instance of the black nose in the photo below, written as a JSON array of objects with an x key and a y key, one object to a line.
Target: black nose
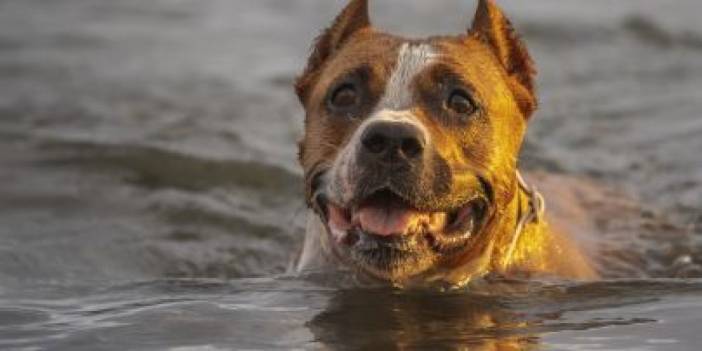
[{"x": 393, "y": 141}]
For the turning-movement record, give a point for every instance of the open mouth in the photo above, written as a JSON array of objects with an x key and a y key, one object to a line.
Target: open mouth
[{"x": 385, "y": 230}]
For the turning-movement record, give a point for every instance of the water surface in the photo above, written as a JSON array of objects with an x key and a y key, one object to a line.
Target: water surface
[{"x": 150, "y": 197}]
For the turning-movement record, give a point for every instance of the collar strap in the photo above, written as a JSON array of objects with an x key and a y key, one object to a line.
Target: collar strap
[{"x": 533, "y": 214}]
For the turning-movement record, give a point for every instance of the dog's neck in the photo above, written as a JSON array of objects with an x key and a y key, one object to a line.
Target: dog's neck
[{"x": 507, "y": 240}]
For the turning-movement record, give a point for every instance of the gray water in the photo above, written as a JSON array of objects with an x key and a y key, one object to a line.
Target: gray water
[{"x": 150, "y": 197}]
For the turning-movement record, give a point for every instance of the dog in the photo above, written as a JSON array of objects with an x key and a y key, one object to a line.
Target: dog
[{"x": 410, "y": 156}]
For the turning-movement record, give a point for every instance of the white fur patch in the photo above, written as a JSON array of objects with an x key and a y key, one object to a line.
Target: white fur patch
[{"x": 411, "y": 60}]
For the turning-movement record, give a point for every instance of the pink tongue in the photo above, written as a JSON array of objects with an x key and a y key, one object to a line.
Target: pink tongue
[{"x": 385, "y": 221}]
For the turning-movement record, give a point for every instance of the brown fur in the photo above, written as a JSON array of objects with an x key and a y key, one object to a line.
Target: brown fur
[{"x": 494, "y": 62}]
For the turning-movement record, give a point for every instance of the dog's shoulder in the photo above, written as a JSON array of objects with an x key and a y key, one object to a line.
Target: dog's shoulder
[{"x": 577, "y": 209}]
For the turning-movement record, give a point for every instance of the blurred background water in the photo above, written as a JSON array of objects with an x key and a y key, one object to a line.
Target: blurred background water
[{"x": 150, "y": 197}]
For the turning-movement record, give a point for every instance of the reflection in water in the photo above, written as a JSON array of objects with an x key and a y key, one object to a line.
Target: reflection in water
[
  {"x": 384, "y": 320},
  {"x": 290, "y": 313},
  {"x": 493, "y": 315}
]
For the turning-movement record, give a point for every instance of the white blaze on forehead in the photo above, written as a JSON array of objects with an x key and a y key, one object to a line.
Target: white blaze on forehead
[{"x": 411, "y": 60}]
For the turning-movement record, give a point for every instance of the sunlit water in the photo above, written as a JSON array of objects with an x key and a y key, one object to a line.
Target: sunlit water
[{"x": 150, "y": 196}]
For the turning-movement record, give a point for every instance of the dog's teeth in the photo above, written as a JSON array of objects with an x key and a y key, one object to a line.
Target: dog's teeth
[
  {"x": 338, "y": 218},
  {"x": 338, "y": 235},
  {"x": 355, "y": 218},
  {"x": 438, "y": 222}
]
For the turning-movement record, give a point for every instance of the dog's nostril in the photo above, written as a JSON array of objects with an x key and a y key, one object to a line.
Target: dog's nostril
[
  {"x": 411, "y": 147},
  {"x": 375, "y": 143}
]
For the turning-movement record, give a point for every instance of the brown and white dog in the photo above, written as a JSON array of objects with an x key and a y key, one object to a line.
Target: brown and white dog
[{"x": 410, "y": 156}]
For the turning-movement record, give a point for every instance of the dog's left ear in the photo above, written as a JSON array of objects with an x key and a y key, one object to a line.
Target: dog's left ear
[
  {"x": 493, "y": 28},
  {"x": 352, "y": 19}
]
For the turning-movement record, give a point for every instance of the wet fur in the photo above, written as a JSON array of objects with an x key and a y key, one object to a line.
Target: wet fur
[{"x": 479, "y": 155}]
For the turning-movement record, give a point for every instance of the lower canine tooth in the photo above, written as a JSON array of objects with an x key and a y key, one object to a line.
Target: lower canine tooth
[{"x": 339, "y": 235}]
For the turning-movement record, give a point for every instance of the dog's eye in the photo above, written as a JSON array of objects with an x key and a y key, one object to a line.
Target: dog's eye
[
  {"x": 344, "y": 97},
  {"x": 461, "y": 103}
]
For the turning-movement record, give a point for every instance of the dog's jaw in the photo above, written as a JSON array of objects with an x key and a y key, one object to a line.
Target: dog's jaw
[
  {"x": 321, "y": 253},
  {"x": 410, "y": 248}
]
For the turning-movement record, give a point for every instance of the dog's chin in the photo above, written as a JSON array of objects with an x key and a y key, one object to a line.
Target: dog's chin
[{"x": 387, "y": 237}]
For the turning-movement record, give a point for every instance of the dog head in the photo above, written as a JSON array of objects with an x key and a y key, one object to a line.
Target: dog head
[{"x": 411, "y": 146}]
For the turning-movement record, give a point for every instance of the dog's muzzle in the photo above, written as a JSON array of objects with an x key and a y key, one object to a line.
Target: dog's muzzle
[{"x": 387, "y": 202}]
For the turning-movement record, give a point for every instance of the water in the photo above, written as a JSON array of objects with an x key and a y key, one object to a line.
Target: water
[
  {"x": 150, "y": 197},
  {"x": 283, "y": 313}
]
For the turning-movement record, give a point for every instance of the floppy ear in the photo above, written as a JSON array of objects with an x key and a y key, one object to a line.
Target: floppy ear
[
  {"x": 495, "y": 30},
  {"x": 351, "y": 20}
]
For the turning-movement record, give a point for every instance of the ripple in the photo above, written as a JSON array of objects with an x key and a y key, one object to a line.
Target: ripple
[
  {"x": 648, "y": 31},
  {"x": 156, "y": 168},
  {"x": 20, "y": 316}
]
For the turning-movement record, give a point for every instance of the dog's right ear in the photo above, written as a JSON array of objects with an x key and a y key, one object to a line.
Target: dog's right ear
[
  {"x": 494, "y": 28},
  {"x": 351, "y": 20}
]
